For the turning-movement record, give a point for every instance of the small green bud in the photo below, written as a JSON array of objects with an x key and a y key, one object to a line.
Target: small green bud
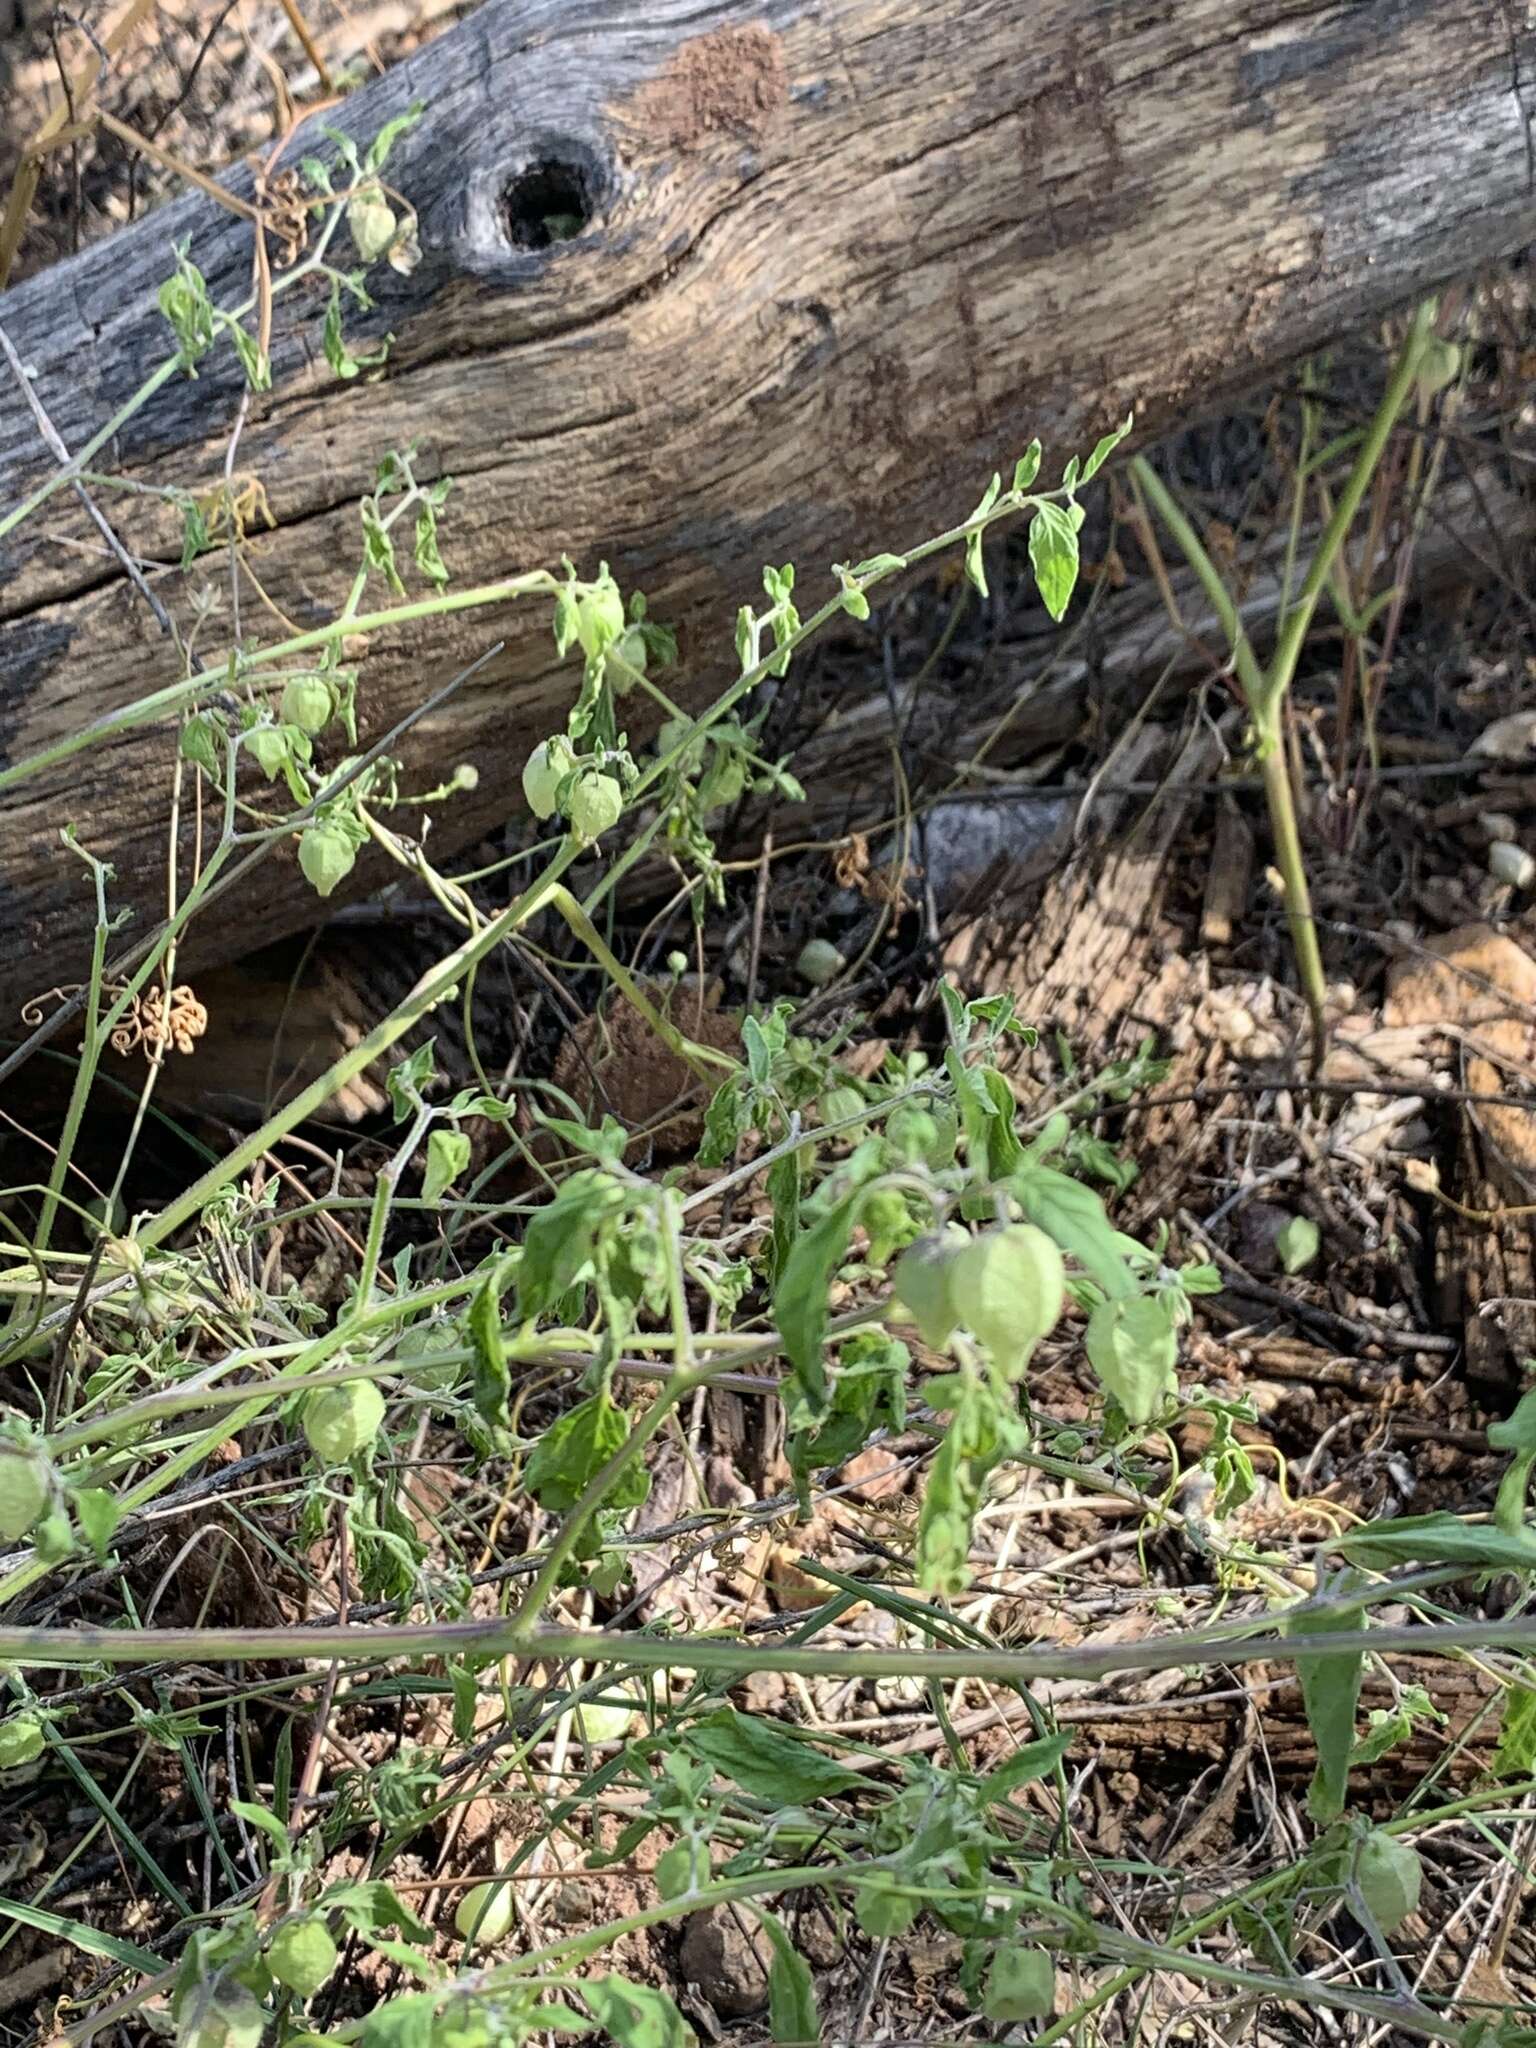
[{"x": 340, "y": 1421}]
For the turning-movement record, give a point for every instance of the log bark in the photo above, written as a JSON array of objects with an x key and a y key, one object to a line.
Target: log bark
[{"x": 836, "y": 263}]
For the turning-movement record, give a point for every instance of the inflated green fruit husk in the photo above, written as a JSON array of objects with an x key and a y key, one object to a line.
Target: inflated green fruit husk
[
  {"x": 596, "y": 804},
  {"x": 26, "y": 1486},
  {"x": 1009, "y": 1287},
  {"x": 543, "y": 772},
  {"x": 301, "y": 1954},
  {"x": 339, "y": 1421},
  {"x": 484, "y": 1913},
  {"x": 921, "y": 1283}
]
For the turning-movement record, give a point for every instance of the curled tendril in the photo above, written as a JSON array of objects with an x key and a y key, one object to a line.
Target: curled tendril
[{"x": 155, "y": 1022}]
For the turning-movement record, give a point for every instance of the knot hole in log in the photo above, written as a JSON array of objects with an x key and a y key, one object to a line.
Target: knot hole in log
[{"x": 553, "y": 196}]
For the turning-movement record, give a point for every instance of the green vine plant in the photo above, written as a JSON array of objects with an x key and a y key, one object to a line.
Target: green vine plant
[
  {"x": 1423, "y": 363},
  {"x": 915, "y": 1211}
]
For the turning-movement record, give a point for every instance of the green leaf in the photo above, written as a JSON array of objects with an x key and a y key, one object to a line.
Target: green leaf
[
  {"x": 1020, "y": 1985},
  {"x": 1297, "y": 1243},
  {"x": 636, "y": 2015},
  {"x": 1027, "y": 468},
  {"x": 372, "y": 1906},
  {"x": 1134, "y": 1348},
  {"x": 1330, "y": 1691},
  {"x": 390, "y": 133},
  {"x": 883, "y": 1905},
  {"x": 975, "y": 564},
  {"x": 185, "y": 303},
  {"x": 256, "y": 365},
  {"x": 78, "y": 1935},
  {"x": 492, "y": 1382},
  {"x": 783, "y": 1185},
  {"x": 558, "y": 1243},
  {"x": 1517, "y": 1431},
  {"x": 1053, "y": 557},
  {"x": 447, "y": 1157},
  {"x": 800, "y": 1309},
  {"x": 725, "y": 1123},
  {"x": 378, "y": 548},
  {"x": 1515, "y": 1756},
  {"x": 1386, "y": 1727},
  {"x": 264, "y": 1818},
  {"x": 1034, "y": 1761},
  {"x": 869, "y": 1392},
  {"x": 1075, "y": 1216},
  {"x": 792, "y": 2010},
  {"x": 982, "y": 1432},
  {"x": 765, "y": 1760},
  {"x": 975, "y": 569},
  {"x": 1439, "y": 1539},
  {"x": 571, "y": 1453},
  {"x": 409, "y": 1078},
  {"x": 1005, "y": 1155},
  {"x": 98, "y": 1514},
  {"x": 202, "y": 741},
  {"x": 1104, "y": 449},
  {"x": 429, "y": 559}
]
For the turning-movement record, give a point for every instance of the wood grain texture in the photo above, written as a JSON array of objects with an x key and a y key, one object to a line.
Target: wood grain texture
[{"x": 843, "y": 260}]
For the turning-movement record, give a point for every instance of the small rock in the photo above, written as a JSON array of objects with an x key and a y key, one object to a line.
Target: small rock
[
  {"x": 875, "y": 1473},
  {"x": 1512, "y": 864},
  {"x": 1507, "y": 739},
  {"x": 727, "y": 1963},
  {"x": 575, "y": 1904}
]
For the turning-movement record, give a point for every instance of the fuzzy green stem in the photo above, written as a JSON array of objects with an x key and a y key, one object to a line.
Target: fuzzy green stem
[
  {"x": 1293, "y": 873},
  {"x": 1293, "y": 631},
  {"x": 1197, "y": 1648}
]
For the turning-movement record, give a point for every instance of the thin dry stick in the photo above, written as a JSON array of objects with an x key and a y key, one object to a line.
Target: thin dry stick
[{"x": 57, "y": 447}]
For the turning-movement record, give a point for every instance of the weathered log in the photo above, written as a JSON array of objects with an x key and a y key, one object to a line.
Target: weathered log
[{"x": 832, "y": 266}]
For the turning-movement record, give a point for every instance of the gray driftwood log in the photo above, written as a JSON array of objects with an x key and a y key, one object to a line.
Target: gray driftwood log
[{"x": 835, "y": 264}]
